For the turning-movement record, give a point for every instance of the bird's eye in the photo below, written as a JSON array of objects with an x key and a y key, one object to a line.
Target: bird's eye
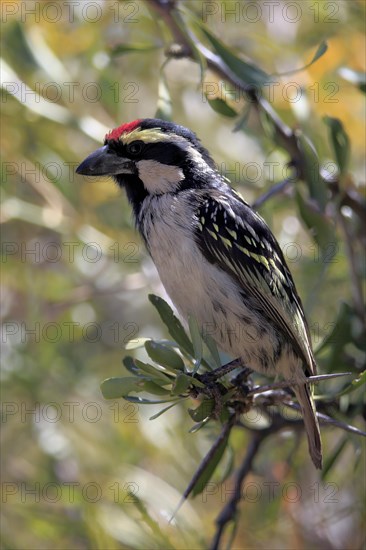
[{"x": 135, "y": 147}]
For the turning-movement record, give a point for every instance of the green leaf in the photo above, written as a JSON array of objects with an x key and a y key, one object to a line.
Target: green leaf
[
  {"x": 153, "y": 387},
  {"x": 322, "y": 48},
  {"x": 152, "y": 371},
  {"x": 196, "y": 341},
  {"x": 311, "y": 171},
  {"x": 154, "y": 416},
  {"x": 136, "y": 343},
  {"x": 212, "y": 348},
  {"x": 129, "y": 363},
  {"x": 209, "y": 469},
  {"x": 119, "y": 387},
  {"x": 181, "y": 384},
  {"x": 173, "y": 324},
  {"x": 164, "y": 355},
  {"x": 317, "y": 222},
  {"x": 355, "y": 384},
  {"x": 247, "y": 72},
  {"x": 198, "y": 426},
  {"x": 333, "y": 457},
  {"x": 164, "y": 107},
  {"x": 197, "y": 383},
  {"x": 243, "y": 119},
  {"x": 122, "y": 49},
  {"x": 268, "y": 124},
  {"x": 203, "y": 411},
  {"x": 340, "y": 142},
  {"x": 144, "y": 401},
  {"x": 220, "y": 106}
]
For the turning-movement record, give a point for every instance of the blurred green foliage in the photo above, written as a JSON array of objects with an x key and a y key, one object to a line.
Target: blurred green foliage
[{"x": 79, "y": 471}]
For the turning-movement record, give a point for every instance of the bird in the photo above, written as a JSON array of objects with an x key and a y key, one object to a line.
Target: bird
[{"x": 216, "y": 257}]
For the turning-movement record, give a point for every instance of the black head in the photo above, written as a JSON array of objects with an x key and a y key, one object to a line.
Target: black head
[{"x": 151, "y": 156}]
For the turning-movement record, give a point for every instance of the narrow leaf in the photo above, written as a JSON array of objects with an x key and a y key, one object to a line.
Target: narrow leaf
[
  {"x": 136, "y": 343},
  {"x": 207, "y": 471},
  {"x": 319, "y": 224},
  {"x": 203, "y": 411},
  {"x": 212, "y": 348},
  {"x": 247, "y": 72},
  {"x": 164, "y": 355},
  {"x": 144, "y": 401},
  {"x": 220, "y": 106},
  {"x": 173, "y": 324},
  {"x": 196, "y": 341},
  {"x": 135, "y": 48},
  {"x": 332, "y": 458},
  {"x": 208, "y": 464},
  {"x": 181, "y": 384},
  {"x": 119, "y": 387},
  {"x": 340, "y": 142},
  {"x": 153, "y": 387},
  {"x": 322, "y": 48},
  {"x": 154, "y": 416},
  {"x": 311, "y": 171},
  {"x": 355, "y": 384},
  {"x": 129, "y": 363},
  {"x": 152, "y": 371},
  {"x": 198, "y": 426}
]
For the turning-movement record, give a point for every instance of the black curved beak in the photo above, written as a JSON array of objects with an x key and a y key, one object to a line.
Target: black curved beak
[{"x": 104, "y": 162}]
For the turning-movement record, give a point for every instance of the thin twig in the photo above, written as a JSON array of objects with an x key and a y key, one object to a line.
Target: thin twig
[
  {"x": 222, "y": 371},
  {"x": 274, "y": 190},
  {"x": 289, "y": 383},
  {"x": 229, "y": 512},
  {"x": 324, "y": 419},
  {"x": 283, "y": 133}
]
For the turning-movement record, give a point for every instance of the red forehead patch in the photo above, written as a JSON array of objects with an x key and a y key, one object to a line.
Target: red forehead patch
[{"x": 124, "y": 128}]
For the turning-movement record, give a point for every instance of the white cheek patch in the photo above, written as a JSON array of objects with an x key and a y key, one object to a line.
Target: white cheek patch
[{"x": 159, "y": 178}]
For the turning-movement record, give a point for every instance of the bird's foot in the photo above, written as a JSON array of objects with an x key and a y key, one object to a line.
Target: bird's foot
[{"x": 217, "y": 391}]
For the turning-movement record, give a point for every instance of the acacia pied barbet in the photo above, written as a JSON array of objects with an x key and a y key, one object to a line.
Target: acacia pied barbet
[{"x": 216, "y": 257}]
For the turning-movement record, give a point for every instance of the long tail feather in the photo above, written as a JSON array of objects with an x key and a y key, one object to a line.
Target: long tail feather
[{"x": 307, "y": 405}]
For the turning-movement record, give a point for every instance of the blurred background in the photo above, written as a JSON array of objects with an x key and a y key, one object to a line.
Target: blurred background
[{"x": 75, "y": 275}]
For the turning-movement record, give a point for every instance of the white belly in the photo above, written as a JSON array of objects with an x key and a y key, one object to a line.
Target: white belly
[{"x": 202, "y": 290}]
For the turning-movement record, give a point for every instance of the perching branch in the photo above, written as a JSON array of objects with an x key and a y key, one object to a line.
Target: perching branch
[
  {"x": 229, "y": 511},
  {"x": 284, "y": 135},
  {"x": 184, "y": 37}
]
